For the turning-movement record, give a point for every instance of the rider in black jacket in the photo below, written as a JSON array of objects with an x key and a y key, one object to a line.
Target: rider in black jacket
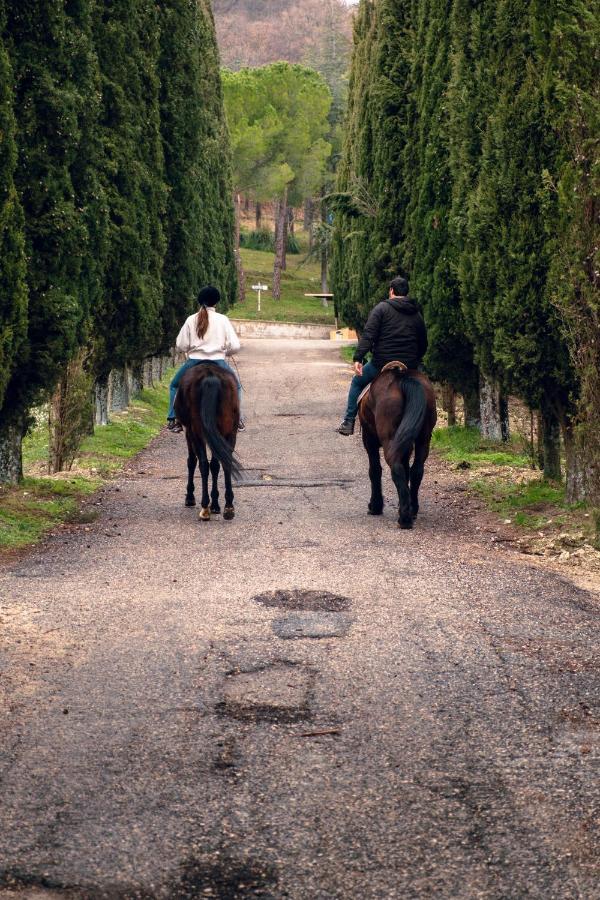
[{"x": 395, "y": 330}]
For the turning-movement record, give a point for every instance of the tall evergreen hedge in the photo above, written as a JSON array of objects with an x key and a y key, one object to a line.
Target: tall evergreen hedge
[
  {"x": 48, "y": 107},
  {"x": 127, "y": 322},
  {"x": 198, "y": 223},
  {"x": 470, "y": 164},
  {"x": 13, "y": 290},
  {"x": 115, "y": 188}
]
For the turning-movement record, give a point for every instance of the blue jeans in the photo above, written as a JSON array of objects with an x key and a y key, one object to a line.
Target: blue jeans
[
  {"x": 359, "y": 382},
  {"x": 188, "y": 365}
]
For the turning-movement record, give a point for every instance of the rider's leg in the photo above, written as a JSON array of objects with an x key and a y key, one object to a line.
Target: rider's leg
[
  {"x": 358, "y": 384},
  {"x": 175, "y": 384}
]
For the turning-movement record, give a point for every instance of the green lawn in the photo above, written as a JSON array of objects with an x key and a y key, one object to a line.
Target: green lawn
[
  {"x": 39, "y": 504},
  {"x": 299, "y": 279}
]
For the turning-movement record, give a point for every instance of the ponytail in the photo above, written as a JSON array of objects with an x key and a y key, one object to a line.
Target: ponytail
[{"x": 202, "y": 322}]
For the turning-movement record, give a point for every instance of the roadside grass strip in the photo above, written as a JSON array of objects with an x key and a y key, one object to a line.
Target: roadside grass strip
[
  {"x": 467, "y": 448},
  {"x": 298, "y": 279},
  {"x": 43, "y": 502}
]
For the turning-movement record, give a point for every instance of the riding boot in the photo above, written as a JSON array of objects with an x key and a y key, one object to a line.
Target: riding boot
[{"x": 347, "y": 427}]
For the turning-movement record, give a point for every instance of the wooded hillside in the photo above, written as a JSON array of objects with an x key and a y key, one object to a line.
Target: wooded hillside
[{"x": 257, "y": 32}]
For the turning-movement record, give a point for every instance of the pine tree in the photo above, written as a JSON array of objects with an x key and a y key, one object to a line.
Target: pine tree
[
  {"x": 198, "y": 222},
  {"x": 13, "y": 289},
  {"x": 127, "y": 321}
]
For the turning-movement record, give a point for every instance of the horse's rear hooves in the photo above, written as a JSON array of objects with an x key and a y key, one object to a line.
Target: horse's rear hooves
[
  {"x": 204, "y": 514},
  {"x": 375, "y": 512},
  {"x": 405, "y": 525},
  {"x": 189, "y": 502},
  {"x": 229, "y": 513}
]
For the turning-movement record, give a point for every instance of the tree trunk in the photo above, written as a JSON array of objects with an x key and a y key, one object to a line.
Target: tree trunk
[
  {"x": 494, "y": 410},
  {"x": 119, "y": 395},
  {"x": 575, "y": 465},
  {"x": 540, "y": 440},
  {"x": 11, "y": 456},
  {"x": 258, "y": 215},
  {"x": 101, "y": 401},
  {"x": 286, "y": 231},
  {"x": 281, "y": 210},
  {"x": 449, "y": 403},
  {"x": 241, "y": 277},
  {"x": 246, "y": 204},
  {"x": 551, "y": 444},
  {"x": 472, "y": 411}
]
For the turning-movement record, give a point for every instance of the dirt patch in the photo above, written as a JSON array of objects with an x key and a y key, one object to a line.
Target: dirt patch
[{"x": 309, "y": 601}]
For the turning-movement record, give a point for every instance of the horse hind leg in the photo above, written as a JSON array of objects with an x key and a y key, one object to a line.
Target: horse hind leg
[
  {"x": 204, "y": 514},
  {"x": 371, "y": 445},
  {"x": 416, "y": 475},
  {"x": 215, "y": 468},
  {"x": 229, "y": 511},
  {"x": 190, "y": 499},
  {"x": 405, "y": 519}
]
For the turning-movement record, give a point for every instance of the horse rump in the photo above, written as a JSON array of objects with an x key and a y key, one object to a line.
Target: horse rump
[
  {"x": 413, "y": 418},
  {"x": 207, "y": 399}
]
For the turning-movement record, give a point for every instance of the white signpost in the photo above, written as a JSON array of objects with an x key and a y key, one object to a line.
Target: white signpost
[{"x": 259, "y": 287}]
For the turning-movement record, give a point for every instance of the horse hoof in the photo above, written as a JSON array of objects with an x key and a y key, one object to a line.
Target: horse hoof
[
  {"x": 375, "y": 511},
  {"x": 405, "y": 523},
  {"x": 204, "y": 514},
  {"x": 215, "y": 510},
  {"x": 229, "y": 513},
  {"x": 189, "y": 501}
]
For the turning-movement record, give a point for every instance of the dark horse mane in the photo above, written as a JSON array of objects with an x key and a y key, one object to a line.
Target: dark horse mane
[
  {"x": 398, "y": 414},
  {"x": 207, "y": 406}
]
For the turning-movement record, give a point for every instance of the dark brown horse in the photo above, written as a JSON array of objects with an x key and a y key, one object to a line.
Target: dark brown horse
[
  {"x": 207, "y": 405},
  {"x": 399, "y": 414}
]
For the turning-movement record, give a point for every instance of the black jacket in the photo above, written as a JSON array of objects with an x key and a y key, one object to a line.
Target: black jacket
[{"x": 395, "y": 330}]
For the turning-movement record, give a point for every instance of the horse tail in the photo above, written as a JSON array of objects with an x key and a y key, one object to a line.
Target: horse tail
[
  {"x": 207, "y": 402},
  {"x": 415, "y": 408}
]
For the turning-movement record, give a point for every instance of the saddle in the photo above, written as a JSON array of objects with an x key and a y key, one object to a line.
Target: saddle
[{"x": 395, "y": 364}]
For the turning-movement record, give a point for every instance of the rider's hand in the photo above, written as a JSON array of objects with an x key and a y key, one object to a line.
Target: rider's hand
[{"x": 358, "y": 368}]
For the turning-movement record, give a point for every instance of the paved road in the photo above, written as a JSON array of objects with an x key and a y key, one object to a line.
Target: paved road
[{"x": 424, "y": 724}]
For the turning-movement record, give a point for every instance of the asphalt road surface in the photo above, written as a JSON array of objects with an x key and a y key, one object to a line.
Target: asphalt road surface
[{"x": 403, "y": 715}]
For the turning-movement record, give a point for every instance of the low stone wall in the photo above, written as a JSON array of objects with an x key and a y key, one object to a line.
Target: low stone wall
[{"x": 250, "y": 328}]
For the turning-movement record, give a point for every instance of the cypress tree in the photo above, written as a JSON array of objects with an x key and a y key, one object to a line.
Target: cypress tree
[
  {"x": 127, "y": 320},
  {"x": 568, "y": 38},
  {"x": 48, "y": 106},
  {"x": 519, "y": 334},
  {"x": 430, "y": 251},
  {"x": 372, "y": 195},
  {"x": 13, "y": 290},
  {"x": 199, "y": 221}
]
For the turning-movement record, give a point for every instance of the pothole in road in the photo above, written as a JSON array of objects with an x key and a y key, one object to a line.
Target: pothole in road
[
  {"x": 311, "y": 625},
  {"x": 310, "y": 601},
  {"x": 280, "y": 692},
  {"x": 229, "y": 879}
]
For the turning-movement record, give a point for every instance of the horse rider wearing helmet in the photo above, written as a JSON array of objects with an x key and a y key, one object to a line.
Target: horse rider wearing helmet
[
  {"x": 206, "y": 336},
  {"x": 395, "y": 330}
]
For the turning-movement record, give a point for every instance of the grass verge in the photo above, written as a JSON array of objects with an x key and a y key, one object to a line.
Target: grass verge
[
  {"x": 41, "y": 503},
  {"x": 512, "y": 488},
  {"x": 467, "y": 448}
]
